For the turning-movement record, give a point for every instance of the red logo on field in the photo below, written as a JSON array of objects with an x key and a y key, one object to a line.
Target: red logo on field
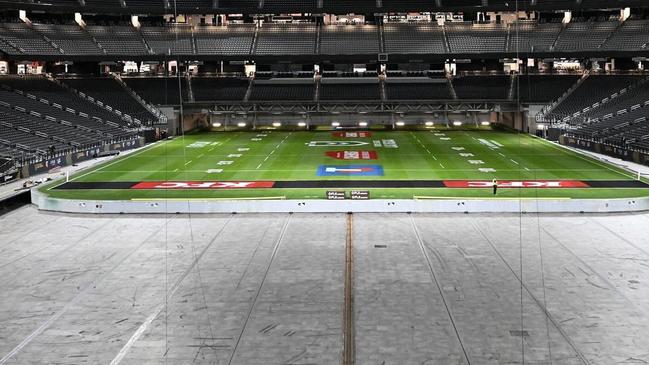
[
  {"x": 543, "y": 184},
  {"x": 353, "y": 155},
  {"x": 184, "y": 185},
  {"x": 352, "y": 134}
]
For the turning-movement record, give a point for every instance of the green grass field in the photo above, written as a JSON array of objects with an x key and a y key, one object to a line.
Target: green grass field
[{"x": 437, "y": 154}]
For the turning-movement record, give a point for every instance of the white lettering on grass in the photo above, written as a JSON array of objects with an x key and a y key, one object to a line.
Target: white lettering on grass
[{"x": 199, "y": 144}]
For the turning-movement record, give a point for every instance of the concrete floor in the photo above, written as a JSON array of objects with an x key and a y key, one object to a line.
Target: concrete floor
[{"x": 268, "y": 289}]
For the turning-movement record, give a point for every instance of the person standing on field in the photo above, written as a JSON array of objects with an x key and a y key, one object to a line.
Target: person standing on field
[{"x": 495, "y": 186}]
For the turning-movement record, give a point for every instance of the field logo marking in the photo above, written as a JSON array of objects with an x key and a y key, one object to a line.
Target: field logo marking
[
  {"x": 255, "y": 139},
  {"x": 225, "y": 163},
  {"x": 476, "y": 162},
  {"x": 486, "y": 169},
  {"x": 234, "y": 155},
  {"x": 350, "y": 170},
  {"x": 445, "y": 138},
  {"x": 336, "y": 144},
  {"x": 242, "y": 149},
  {"x": 467, "y": 155},
  {"x": 458, "y": 148},
  {"x": 214, "y": 171},
  {"x": 353, "y": 155}
]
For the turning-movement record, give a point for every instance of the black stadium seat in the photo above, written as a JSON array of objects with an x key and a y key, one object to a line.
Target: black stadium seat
[{"x": 219, "y": 88}]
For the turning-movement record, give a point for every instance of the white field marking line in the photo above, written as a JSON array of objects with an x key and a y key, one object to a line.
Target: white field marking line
[
  {"x": 221, "y": 143},
  {"x": 273, "y": 151},
  {"x": 120, "y": 160},
  {"x": 442, "y": 166},
  {"x": 575, "y": 154},
  {"x": 210, "y": 150},
  {"x": 500, "y": 153},
  {"x": 145, "y": 325},
  {"x": 176, "y": 170},
  {"x": 430, "y": 153},
  {"x": 424, "y": 147}
]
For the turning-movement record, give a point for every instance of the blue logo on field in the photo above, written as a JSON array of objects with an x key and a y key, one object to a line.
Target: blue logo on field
[{"x": 350, "y": 170}]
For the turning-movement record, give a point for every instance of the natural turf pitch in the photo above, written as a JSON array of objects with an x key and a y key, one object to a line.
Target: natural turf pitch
[{"x": 436, "y": 154}]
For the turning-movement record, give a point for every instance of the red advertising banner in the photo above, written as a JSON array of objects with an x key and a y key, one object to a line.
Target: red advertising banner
[
  {"x": 531, "y": 184},
  {"x": 353, "y": 155},
  {"x": 202, "y": 185}
]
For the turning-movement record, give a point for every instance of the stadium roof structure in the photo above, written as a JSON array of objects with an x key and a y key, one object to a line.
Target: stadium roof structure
[{"x": 308, "y": 6}]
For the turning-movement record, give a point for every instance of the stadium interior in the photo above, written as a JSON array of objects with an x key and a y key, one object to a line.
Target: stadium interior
[
  {"x": 252, "y": 106},
  {"x": 84, "y": 74}
]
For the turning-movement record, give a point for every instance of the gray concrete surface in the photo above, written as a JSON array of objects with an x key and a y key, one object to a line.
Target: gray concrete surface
[{"x": 268, "y": 289}]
